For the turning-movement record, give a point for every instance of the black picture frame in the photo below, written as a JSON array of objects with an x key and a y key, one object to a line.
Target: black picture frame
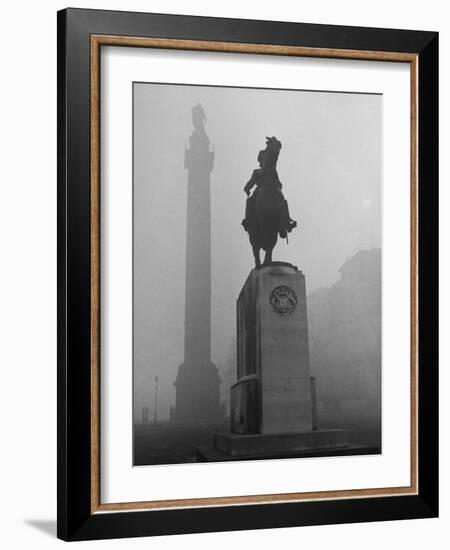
[{"x": 76, "y": 519}]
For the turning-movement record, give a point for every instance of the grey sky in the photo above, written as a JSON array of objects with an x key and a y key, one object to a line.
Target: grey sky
[{"x": 330, "y": 167}]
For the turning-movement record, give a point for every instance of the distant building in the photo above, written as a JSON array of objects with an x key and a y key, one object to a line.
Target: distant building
[{"x": 345, "y": 347}]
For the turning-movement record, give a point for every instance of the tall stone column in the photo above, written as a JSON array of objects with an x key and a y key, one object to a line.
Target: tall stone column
[
  {"x": 197, "y": 383},
  {"x": 273, "y": 401}
]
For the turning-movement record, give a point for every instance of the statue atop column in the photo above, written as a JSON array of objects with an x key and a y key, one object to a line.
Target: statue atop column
[
  {"x": 267, "y": 212},
  {"x": 199, "y": 118}
]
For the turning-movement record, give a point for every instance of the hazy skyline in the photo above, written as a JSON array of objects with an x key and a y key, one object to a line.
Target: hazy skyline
[{"x": 330, "y": 167}]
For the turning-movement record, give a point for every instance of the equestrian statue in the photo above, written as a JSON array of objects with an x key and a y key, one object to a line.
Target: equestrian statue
[{"x": 266, "y": 210}]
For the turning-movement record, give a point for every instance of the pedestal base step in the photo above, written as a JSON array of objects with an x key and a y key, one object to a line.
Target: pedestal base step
[
  {"x": 279, "y": 444},
  {"x": 212, "y": 454}
]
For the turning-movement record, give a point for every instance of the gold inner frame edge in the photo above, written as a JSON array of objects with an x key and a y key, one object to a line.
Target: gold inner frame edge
[{"x": 97, "y": 41}]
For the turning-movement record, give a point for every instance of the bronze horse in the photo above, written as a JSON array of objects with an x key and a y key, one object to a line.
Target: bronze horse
[{"x": 267, "y": 212}]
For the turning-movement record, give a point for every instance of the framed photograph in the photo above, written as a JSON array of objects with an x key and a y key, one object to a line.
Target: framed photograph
[{"x": 247, "y": 271}]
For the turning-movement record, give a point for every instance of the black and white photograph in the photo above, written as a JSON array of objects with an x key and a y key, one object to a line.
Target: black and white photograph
[
  {"x": 224, "y": 286},
  {"x": 257, "y": 268}
]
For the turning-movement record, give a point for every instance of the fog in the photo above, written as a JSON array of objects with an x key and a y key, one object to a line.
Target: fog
[{"x": 329, "y": 165}]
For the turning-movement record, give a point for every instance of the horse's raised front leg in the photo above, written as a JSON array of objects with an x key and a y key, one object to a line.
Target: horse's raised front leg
[{"x": 256, "y": 255}]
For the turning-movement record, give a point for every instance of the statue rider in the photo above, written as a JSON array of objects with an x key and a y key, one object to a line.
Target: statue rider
[{"x": 260, "y": 177}]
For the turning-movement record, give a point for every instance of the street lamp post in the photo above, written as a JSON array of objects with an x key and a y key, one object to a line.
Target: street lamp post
[{"x": 156, "y": 400}]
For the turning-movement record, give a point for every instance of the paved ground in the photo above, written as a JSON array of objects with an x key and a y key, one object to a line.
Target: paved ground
[
  {"x": 173, "y": 442},
  {"x": 357, "y": 434},
  {"x": 177, "y": 442}
]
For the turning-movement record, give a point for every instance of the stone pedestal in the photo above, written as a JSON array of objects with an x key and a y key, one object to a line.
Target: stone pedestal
[
  {"x": 273, "y": 408},
  {"x": 273, "y": 393}
]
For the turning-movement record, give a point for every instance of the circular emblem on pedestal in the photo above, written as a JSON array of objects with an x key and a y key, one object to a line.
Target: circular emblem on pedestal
[{"x": 283, "y": 300}]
